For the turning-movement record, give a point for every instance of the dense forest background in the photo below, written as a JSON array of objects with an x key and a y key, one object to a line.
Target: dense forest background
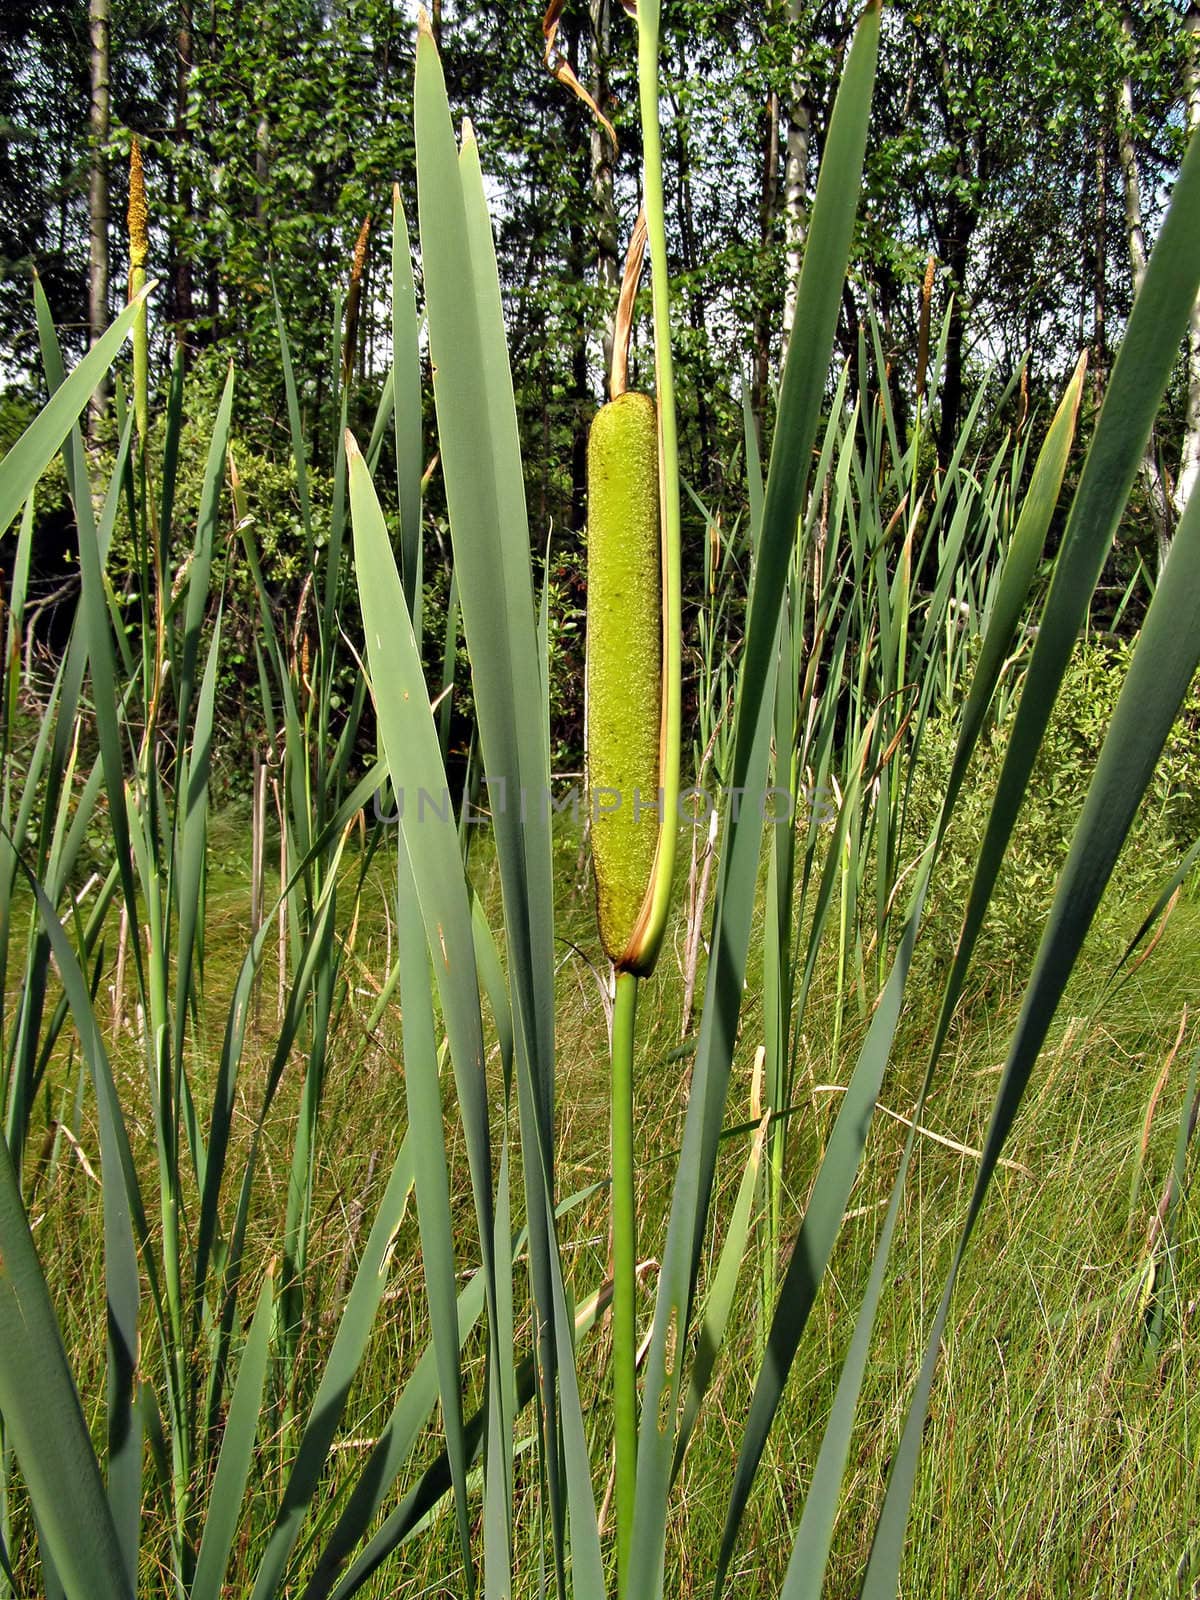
[{"x": 1028, "y": 150}]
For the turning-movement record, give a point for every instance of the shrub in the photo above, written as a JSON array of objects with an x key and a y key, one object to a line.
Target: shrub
[{"x": 1166, "y": 825}]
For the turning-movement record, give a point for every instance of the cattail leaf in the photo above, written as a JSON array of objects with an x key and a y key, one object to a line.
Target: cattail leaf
[
  {"x": 424, "y": 1097},
  {"x": 33, "y": 452},
  {"x": 381, "y": 425},
  {"x": 1156, "y": 326},
  {"x": 1166, "y": 895},
  {"x": 391, "y": 1453},
  {"x": 169, "y": 464},
  {"x": 814, "y": 1533},
  {"x": 296, "y": 427},
  {"x": 316, "y": 954},
  {"x": 720, "y": 1294},
  {"x": 191, "y": 825},
  {"x": 125, "y": 1231},
  {"x": 481, "y": 464},
  {"x": 406, "y": 409},
  {"x": 92, "y": 638},
  {"x": 827, "y": 1204},
  {"x": 434, "y": 1482},
  {"x": 396, "y": 1442},
  {"x": 1164, "y": 663},
  {"x": 43, "y": 1419},
  {"x": 430, "y": 838},
  {"x": 238, "y": 1018},
  {"x": 477, "y": 432},
  {"x": 225, "y": 1500},
  {"x": 800, "y": 400},
  {"x": 754, "y": 476},
  {"x": 200, "y": 568}
]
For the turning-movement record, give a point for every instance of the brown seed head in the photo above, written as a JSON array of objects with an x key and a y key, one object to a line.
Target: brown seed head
[
  {"x": 138, "y": 215},
  {"x": 359, "y": 263}
]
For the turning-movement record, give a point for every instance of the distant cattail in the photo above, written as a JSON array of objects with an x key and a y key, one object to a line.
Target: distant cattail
[
  {"x": 625, "y": 671},
  {"x": 923, "y": 325},
  {"x": 138, "y": 219},
  {"x": 354, "y": 298}
]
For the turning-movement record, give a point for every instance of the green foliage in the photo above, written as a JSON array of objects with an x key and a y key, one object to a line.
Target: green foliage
[
  {"x": 1166, "y": 826},
  {"x": 270, "y": 132}
]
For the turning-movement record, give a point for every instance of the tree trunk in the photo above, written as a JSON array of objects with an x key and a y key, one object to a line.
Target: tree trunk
[
  {"x": 262, "y": 152},
  {"x": 581, "y": 393},
  {"x": 766, "y": 225},
  {"x": 697, "y": 305},
  {"x": 1157, "y": 502},
  {"x": 955, "y": 247},
  {"x": 182, "y": 281},
  {"x": 1135, "y": 233},
  {"x": 580, "y": 235},
  {"x": 98, "y": 197},
  {"x": 795, "y": 170},
  {"x": 1189, "y": 459},
  {"x": 1099, "y": 361},
  {"x": 604, "y": 209}
]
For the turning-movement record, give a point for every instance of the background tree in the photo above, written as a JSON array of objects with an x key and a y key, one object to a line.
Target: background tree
[
  {"x": 1002, "y": 143},
  {"x": 98, "y": 59}
]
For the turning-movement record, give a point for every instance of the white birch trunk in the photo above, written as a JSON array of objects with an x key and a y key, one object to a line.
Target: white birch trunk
[
  {"x": 1189, "y": 460},
  {"x": 1151, "y": 473},
  {"x": 98, "y": 197},
  {"x": 604, "y": 208},
  {"x": 795, "y": 174}
]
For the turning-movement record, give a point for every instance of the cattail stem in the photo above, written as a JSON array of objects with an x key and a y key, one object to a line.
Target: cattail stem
[
  {"x": 624, "y": 1259},
  {"x": 668, "y": 465}
]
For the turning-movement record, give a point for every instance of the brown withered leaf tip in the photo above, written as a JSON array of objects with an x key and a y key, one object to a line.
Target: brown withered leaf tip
[{"x": 561, "y": 69}]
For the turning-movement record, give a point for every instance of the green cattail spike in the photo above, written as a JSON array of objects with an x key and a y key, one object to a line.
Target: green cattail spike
[
  {"x": 138, "y": 219},
  {"x": 625, "y": 672}
]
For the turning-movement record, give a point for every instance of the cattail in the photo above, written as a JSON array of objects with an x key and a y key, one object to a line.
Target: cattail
[
  {"x": 353, "y": 300},
  {"x": 923, "y": 326},
  {"x": 138, "y": 214},
  {"x": 625, "y": 672},
  {"x": 138, "y": 218}
]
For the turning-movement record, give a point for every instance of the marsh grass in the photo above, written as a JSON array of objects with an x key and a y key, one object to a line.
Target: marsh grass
[
  {"x": 314, "y": 1248},
  {"x": 1053, "y": 1462}
]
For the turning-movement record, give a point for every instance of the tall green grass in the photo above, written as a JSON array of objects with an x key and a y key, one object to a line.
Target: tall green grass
[{"x": 878, "y": 595}]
